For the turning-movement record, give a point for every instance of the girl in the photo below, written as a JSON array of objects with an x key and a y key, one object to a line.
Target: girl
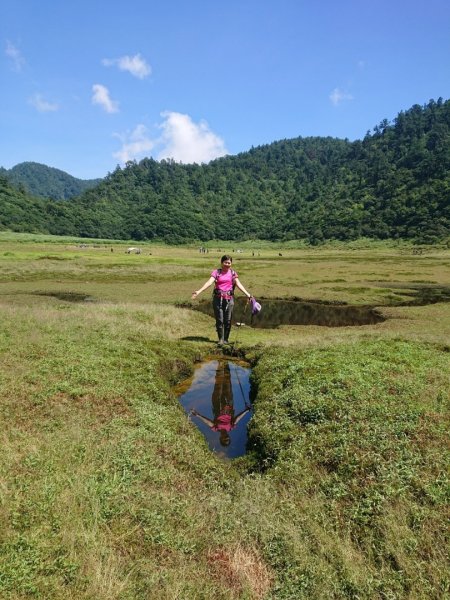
[{"x": 225, "y": 280}]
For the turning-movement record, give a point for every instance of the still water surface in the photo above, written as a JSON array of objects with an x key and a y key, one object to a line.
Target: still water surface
[
  {"x": 218, "y": 401},
  {"x": 295, "y": 312}
]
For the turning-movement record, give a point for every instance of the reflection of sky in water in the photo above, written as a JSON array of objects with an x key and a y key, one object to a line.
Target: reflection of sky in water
[{"x": 200, "y": 397}]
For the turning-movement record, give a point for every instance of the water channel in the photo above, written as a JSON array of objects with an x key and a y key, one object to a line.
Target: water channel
[{"x": 217, "y": 399}]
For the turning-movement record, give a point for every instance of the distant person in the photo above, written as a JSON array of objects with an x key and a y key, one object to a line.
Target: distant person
[
  {"x": 224, "y": 420},
  {"x": 225, "y": 280}
]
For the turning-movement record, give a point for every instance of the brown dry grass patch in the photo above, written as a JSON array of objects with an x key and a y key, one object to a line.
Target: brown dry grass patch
[{"x": 241, "y": 569}]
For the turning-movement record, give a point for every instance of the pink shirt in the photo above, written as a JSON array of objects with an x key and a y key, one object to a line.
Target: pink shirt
[
  {"x": 224, "y": 281},
  {"x": 223, "y": 423}
]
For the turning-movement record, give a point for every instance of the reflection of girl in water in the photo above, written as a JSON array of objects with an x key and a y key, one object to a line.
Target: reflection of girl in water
[{"x": 222, "y": 404}]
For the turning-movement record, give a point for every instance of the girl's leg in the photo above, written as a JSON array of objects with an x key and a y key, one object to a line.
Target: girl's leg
[
  {"x": 219, "y": 314},
  {"x": 227, "y": 319}
]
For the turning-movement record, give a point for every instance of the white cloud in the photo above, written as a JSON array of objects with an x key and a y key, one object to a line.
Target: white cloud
[
  {"x": 181, "y": 140},
  {"x": 337, "y": 96},
  {"x": 101, "y": 97},
  {"x": 134, "y": 145},
  {"x": 135, "y": 65},
  {"x": 15, "y": 55},
  {"x": 43, "y": 105},
  {"x": 188, "y": 142}
]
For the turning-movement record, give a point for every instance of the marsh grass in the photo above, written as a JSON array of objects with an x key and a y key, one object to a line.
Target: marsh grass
[
  {"x": 95, "y": 458},
  {"x": 108, "y": 491},
  {"x": 360, "y": 431}
]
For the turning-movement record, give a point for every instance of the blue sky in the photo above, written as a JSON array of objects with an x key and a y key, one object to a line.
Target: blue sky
[{"x": 87, "y": 85}]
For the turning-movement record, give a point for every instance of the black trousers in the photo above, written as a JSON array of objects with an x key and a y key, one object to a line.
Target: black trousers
[
  {"x": 223, "y": 311},
  {"x": 222, "y": 397}
]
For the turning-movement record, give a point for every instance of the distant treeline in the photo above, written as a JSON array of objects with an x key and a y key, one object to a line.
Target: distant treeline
[
  {"x": 46, "y": 182},
  {"x": 395, "y": 183}
]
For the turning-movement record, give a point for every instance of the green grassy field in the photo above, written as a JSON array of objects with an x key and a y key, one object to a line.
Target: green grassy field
[{"x": 108, "y": 491}]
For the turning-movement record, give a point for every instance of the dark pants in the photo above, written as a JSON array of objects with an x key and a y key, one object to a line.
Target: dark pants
[
  {"x": 223, "y": 310},
  {"x": 222, "y": 397}
]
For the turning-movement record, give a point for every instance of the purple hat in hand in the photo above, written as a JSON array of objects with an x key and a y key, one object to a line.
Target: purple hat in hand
[{"x": 256, "y": 306}]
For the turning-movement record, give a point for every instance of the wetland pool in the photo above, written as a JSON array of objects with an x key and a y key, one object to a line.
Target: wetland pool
[
  {"x": 295, "y": 311},
  {"x": 217, "y": 400},
  {"x": 277, "y": 312},
  {"x": 67, "y": 296}
]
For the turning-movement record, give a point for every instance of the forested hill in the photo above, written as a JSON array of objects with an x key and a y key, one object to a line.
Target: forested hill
[
  {"x": 395, "y": 183},
  {"x": 21, "y": 212},
  {"x": 47, "y": 182}
]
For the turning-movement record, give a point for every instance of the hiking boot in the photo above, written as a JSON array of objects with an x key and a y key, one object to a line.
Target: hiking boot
[{"x": 221, "y": 342}]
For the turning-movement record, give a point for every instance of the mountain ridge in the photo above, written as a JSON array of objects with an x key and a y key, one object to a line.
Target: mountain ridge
[
  {"x": 43, "y": 181},
  {"x": 394, "y": 183}
]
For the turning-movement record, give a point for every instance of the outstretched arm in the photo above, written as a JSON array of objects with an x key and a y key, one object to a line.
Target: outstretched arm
[
  {"x": 242, "y": 414},
  {"x": 205, "y": 286},
  {"x": 242, "y": 288},
  {"x": 202, "y": 418}
]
